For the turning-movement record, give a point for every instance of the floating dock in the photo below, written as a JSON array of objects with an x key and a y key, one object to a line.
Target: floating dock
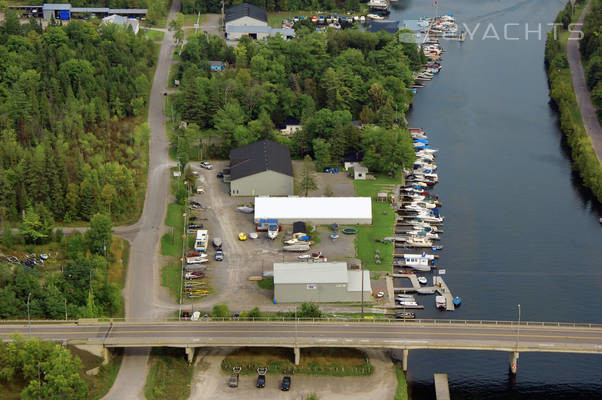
[{"x": 439, "y": 286}]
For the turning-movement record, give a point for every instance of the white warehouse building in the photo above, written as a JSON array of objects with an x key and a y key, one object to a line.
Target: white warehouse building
[{"x": 315, "y": 210}]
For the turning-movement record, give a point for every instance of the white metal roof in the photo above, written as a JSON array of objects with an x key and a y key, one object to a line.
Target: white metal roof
[
  {"x": 304, "y": 272},
  {"x": 312, "y": 208},
  {"x": 354, "y": 283}
]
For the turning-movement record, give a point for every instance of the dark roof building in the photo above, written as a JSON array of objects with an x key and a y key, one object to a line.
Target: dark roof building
[
  {"x": 246, "y": 10},
  {"x": 261, "y": 168}
]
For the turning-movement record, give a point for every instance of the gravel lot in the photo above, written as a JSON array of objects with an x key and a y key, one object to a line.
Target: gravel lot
[{"x": 209, "y": 382}]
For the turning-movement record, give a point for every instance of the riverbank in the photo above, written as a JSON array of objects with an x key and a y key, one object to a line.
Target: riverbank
[{"x": 562, "y": 93}]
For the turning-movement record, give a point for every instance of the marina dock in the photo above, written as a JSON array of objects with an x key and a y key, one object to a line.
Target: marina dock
[{"x": 439, "y": 286}]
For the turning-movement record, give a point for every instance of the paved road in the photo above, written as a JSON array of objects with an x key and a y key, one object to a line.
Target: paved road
[
  {"x": 144, "y": 235},
  {"x": 588, "y": 111},
  {"x": 396, "y": 334}
]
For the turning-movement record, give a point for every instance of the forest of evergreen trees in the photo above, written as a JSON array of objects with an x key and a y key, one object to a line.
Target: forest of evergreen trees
[{"x": 72, "y": 102}]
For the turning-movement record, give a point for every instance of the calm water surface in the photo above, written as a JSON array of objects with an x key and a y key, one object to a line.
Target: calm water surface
[{"x": 519, "y": 228}]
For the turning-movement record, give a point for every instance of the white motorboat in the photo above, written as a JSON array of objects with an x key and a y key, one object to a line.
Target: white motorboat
[
  {"x": 362, "y": 19},
  {"x": 419, "y": 256},
  {"x": 422, "y": 280},
  {"x": 245, "y": 209},
  {"x": 296, "y": 247},
  {"x": 375, "y": 17},
  {"x": 440, "y": 302}
]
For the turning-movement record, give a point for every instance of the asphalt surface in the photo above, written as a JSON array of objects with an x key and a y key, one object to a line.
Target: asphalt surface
[
  {"x": 587, "y": 109},
  {"x": 407, "y": 334},
  {"x": 144, "y": 236}
]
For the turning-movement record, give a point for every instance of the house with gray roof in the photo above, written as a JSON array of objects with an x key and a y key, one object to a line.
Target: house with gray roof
[
  {"x": 248, "y": 20},
  {"x": 262, "y": 168}
]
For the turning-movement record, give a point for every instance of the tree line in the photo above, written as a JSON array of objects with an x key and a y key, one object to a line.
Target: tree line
[
  {"x": 80, "y": 289},
  {"x": 214, "y": 6},
  {"x": 562, "y": 94},
  {"x": 72, "y": 100},
  {"x": 591, "y": 50},
  {"x": 332, "y": 82}
]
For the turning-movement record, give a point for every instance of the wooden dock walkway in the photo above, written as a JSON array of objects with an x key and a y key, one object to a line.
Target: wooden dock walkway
[
  {"x": 443, "y": 290},
  {"x": 439, "y": 286}
]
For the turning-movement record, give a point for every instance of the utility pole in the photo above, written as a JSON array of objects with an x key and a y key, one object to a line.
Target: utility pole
[
  {"x": 28, "y": 318},
  {"x": 65, "y": 308},
  {"x": 518, "y": 329},
  {"x": 362, "y": 278}
]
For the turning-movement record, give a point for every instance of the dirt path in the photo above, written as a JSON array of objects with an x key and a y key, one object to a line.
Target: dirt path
[
  {"x": 587, "y": 109},
  {"x": 209, "y": 382}
]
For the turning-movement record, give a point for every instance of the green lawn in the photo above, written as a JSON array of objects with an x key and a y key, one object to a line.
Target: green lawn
[
  {"x": 171, "y": 277},
  {"x": 401, "y": 393},
  {"x": 174, "y": 215},
  {"x": 155, "y": 36},
  {"x": 383, "y": 221},
  {"x": 266, "y": 283},
  {"x": 190, "y": 20},
  {"x": 169, "y": 376}
]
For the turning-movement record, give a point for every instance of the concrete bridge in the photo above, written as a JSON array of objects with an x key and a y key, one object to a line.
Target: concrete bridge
[{"x": 508, "y": 336}]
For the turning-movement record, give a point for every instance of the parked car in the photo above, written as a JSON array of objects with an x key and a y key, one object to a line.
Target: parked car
[
  {"x": 206, "y": 165},
  {"x": 220, "y": 175},
  {"x": 233, "y": 381},
  {"x": 242, "y": 236},
  {"x": 219, "y": 255},
  {"x": 260, "y": 381},
  {"x": 195, "y": 226},
  {"x": 185, "y": 315},
  {"x": 286, "y": 383}
]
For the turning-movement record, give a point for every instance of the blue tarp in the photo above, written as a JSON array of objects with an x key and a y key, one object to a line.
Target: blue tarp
[{"x": 64, "y": 15}]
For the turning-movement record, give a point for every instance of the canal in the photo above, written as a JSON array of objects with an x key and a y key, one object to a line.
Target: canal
[{"x": 519, "y": 229}]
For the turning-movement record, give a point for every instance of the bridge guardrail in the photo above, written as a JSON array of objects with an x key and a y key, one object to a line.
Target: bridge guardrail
[{"x": 437, "y": 322}]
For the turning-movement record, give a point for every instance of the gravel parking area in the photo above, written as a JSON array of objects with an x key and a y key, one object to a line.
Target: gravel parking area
[{"x": 209, "y": 382}]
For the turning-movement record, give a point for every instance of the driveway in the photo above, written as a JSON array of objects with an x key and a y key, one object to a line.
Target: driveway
[{"x": 587, "y": 109}]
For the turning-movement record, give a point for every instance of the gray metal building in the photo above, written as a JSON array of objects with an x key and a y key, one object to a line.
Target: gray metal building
[
  {"x": 262, "y": 168},
  {"x": 319, "y": 283}
]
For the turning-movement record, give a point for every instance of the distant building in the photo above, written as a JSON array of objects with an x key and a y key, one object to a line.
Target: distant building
[
  {"x": 123, "y": 21},
  {"x": 249, "y": 20},
  {"x": 329, "y": 282},
  {"x": 217, "y": 66},
  {"x": 290, "y": 127},
  {"x": 65, "y": 12},
  {"x": 262, "y": 168},
  {"x": 359, "y": 171}
]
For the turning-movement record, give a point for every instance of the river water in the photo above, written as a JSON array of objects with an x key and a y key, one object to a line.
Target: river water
[{"x": 519, "y": 229}]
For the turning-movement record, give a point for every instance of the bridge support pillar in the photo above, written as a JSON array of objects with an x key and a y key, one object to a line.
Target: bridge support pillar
[
  {"x": 297, "y": 355},
  {"x": 404, "y": 362},
  {"x": 106, "y": 355},
  {"x": 513, "y": 362},
  {"x": 190, "y": 354}
]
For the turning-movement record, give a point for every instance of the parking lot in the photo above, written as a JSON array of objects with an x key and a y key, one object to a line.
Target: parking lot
[
  {"x": 242, "y": 259},
  {"x": 210, "y": 382}
]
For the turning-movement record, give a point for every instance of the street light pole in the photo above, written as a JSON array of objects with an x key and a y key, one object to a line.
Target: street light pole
[
  {"x": 518, "y": 329},
  {"x": 28, "y": 318}
]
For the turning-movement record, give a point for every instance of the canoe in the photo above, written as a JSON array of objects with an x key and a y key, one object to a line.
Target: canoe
[{"x": 349, "y": 231}]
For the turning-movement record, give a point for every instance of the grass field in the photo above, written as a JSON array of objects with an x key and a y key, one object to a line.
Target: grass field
[
  {"x": 266, "y": 283},
  {"x": 401, "y": 393},
  {"x": 153, "y": 35},
  {"x": 171, "y": 276},
  {"x": 383, "y": 221},
  {"x": 314, "y": 361},
  {"x": 120, "y": 254},
  {"x": 169, "y": 376}
]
